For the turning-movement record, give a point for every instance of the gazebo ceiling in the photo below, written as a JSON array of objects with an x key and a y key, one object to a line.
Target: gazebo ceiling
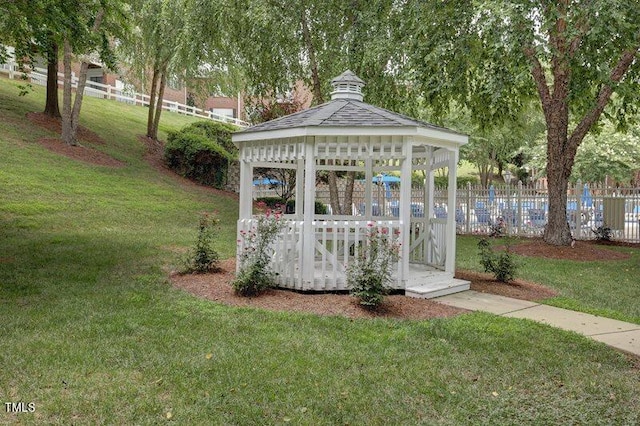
[{"x": 347, "y": 114}]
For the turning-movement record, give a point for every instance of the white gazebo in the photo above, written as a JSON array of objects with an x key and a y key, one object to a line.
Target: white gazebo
[{"x": 347, "y": 134}]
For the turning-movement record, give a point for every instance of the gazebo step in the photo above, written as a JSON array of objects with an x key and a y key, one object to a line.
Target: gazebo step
[{"x": 433, "y": 289}]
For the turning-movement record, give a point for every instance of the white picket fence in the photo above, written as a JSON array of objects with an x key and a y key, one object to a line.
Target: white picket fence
[
  {"x": 105, "y": 91},
  {"x": 524, "y": 210}
]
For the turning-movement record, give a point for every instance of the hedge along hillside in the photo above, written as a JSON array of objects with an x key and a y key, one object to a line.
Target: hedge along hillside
[{"x": 201, "y": 151}]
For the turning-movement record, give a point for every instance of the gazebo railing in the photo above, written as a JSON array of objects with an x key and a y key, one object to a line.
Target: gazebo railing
[
  {"x": 428, "y": 241},
  {"x": 336, "y": 243}
]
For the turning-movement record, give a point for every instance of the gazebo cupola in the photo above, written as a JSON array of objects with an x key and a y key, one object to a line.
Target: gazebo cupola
[
  {"x": 347, "y": 86},
  {"x": 348, "y": 135}
]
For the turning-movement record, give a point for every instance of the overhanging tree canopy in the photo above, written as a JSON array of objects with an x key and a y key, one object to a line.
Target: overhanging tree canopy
[{"x": 578, "y": 58}]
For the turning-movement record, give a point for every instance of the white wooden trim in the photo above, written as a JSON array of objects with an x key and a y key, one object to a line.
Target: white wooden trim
[
  {"x": 274, "y": 165},
  {"x": 450, "y": 262},
  {"x": 246, "y": 189},
  {"x": 428, "y": 136},
  {"x": 308, "y": 240},
  {"x": 405, "y": 208}
]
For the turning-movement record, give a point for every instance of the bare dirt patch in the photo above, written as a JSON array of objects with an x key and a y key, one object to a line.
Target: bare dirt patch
[
  {"x": 517, "y": 289},
  {"x": 55, "y": 125},
  {"x": 82, "y": 153},
  {"x": 582, "y": 251}
]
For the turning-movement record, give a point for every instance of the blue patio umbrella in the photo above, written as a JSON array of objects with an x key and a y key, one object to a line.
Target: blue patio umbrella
[
  {"x": 492, "y": 194},
  {"x": 386, "y": 179},
  {"x": 587, "y": 199},
  {"x": 266, "y": 181}
]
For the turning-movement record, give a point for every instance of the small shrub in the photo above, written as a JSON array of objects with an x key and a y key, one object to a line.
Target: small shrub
[
  {"x": 201, "y": 152},
  {"x": 603, "y": 233},
  {"x": 498, "y": 229},
  {"x": 369, "y": 275},
  {"x": 255, "y": 274},
  {"x": 204, "y": 258},
  {"x": 502, "y": 265},
  {"x": 290, "y": 206}
]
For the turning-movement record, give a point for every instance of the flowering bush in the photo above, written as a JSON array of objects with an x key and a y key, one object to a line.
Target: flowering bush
[
  {"x": 255, "y": 274},
  {"x": 369, "y": 275},
  {"x": 204, "y": 258}
]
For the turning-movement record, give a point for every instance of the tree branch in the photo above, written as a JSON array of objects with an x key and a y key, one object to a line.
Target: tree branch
[
  {"x": 604, "y": 95},
  {"x": 538, "y": 75}
]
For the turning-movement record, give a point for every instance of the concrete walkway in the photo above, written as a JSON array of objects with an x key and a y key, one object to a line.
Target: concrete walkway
[{"x": 618, "y": 334}]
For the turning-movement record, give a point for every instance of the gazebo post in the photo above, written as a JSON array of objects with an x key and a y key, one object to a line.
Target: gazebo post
[
  {"x": 246, "y": 196},
  {"x": 450, "y": 261},
  {"x": 300, "y": 189},
  {"x": 308, "y": 234},
  {"x": 429, "y": 200},
  {"x": 405, "y": 209},
  {"x": 368, "y": 188}
]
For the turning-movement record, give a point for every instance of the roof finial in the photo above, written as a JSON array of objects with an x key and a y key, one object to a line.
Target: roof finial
[{"x": 347, "y": 86}]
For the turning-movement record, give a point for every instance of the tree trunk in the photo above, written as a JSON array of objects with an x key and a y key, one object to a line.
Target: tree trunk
[
  {"x": 557, "y": 231},
  {"x": 152, "y": 101},
  {"x": 334, "y": 197},
  {"x": 51, "y": 107},
  {"x": 160, "y": 100},
  {"x": 71, "y": 117},
  {"x": 66, "y": 95},
  {"x": 348, "y": 193}
]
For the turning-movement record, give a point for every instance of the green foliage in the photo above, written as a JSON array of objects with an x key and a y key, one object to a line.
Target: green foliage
[
  {"x": 461, "y": 181},
  {"x": 608, "y": 153},
  {"x": 204, "y": 257},
  {"x": 255, "y": 274},
  {"x": 501, "y": 264},
  {"x": 274, "y": 203},
  {"x": 290, "y": 206},
  {"x": 369, "y": 275},
  {"x": 268, "y": 40},
  {"x": 198, "y": 152},
  {"x": 603, "y": 233},
  {"x": 220, "y": 133}
]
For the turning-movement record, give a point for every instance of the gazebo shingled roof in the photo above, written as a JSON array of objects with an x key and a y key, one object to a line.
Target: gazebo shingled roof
[{"x": 343, "y": 113}]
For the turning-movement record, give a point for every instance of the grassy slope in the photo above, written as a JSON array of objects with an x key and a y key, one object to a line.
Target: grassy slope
[{"x": 92, "y": 333}]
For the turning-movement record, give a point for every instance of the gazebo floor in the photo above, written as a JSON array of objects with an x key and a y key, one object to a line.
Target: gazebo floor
[{"x": 423, "y": 281}]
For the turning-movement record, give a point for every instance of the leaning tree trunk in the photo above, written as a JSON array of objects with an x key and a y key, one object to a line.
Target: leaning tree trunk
[
  {"x": 51, "y": 107},
  {"x": 77, "y": 102},
  {"x": 66, "y": 93},
  {"x": 152, "y": 101},
  {"x": 159, "y": 101},
  {"x": 71, "y": 117}
]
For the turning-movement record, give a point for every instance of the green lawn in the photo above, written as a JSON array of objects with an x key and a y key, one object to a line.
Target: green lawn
[
  {"x": 606, "y": 288},
  {"x": 92, "y": 332}
]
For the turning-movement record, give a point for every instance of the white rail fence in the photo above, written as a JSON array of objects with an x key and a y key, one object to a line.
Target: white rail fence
[
  {"x": 105, "y": 91},
  {"x": 523, "y": 211}
]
